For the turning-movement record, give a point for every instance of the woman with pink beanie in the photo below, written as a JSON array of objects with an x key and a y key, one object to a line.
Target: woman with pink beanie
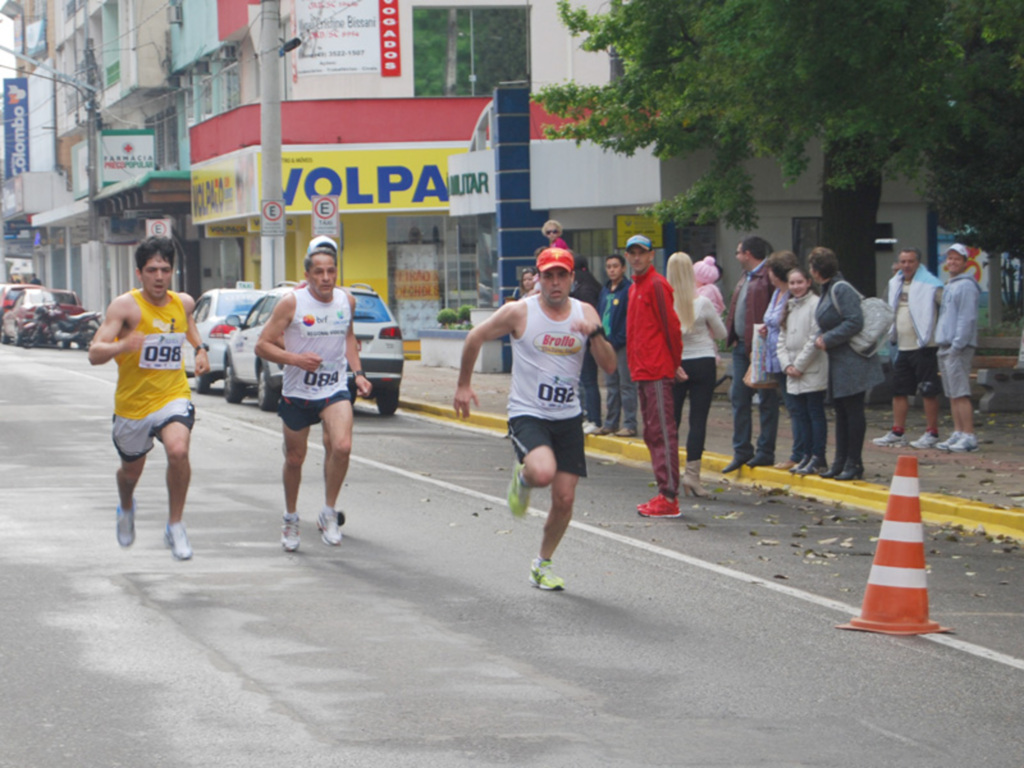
[{"x": 707, "y": 273}]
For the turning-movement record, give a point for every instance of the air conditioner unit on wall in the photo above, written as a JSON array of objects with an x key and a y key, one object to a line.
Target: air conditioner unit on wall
[
  {"x": 174, "y": 14},
  {"x": 179, "y": 81},
  {"x": 228, "y": 52},
  {"x": 201, "y": 67}
]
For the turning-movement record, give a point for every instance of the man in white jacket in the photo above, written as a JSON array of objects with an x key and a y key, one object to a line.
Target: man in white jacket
[
  {"x": 914, "y": 294},
  {"x": 957, "y": 337}
]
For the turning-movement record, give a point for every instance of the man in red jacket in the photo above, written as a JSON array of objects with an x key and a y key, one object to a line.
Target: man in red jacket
[{"x": 654, "y": 350}]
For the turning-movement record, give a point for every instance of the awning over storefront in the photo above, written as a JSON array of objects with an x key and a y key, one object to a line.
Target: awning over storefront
[
  {"x": 65, "y": 214},
  {"x": 154, "y": 191}
]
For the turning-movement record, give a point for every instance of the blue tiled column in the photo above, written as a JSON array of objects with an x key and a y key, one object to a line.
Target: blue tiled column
[{"x": 518, "y": 225}]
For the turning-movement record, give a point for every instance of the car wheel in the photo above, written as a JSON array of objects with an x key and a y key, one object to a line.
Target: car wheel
[
  {"x": 234, "y": 390},
  {"x": 266, "y": 395},
  {"x": 20, "y": 338},
  {"x": 387, "y": 402},
  {"x": 203, "y": 383}
]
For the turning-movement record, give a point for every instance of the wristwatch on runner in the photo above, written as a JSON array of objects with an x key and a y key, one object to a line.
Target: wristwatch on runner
[{"x": 204, "y": 346}]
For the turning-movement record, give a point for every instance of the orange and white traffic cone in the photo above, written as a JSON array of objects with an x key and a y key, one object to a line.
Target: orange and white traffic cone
[{"x": 896, "y": 599}]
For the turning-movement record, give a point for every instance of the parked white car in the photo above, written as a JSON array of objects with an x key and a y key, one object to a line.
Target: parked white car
[
  {"x": 377, "y": 333},
  {"x": 212, "y": 308}
]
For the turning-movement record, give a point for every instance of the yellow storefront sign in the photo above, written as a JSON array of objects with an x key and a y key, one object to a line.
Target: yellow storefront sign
[
  {"x": 370, "y": 179},
  {"x": 215, "y": 191},
  {"x": 627, "y": 225},
  {"x": 231, "y": 229}
]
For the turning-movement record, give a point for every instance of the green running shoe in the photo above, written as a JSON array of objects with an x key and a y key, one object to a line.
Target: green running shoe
[
  {"x": 541, "y": 576},
  {"x": 518, "y": 493}
]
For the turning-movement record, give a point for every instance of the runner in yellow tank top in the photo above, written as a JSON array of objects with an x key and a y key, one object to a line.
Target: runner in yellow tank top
[{"x": 144, "y": 330}]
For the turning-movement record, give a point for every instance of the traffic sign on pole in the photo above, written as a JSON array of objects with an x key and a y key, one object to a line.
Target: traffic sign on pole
[
  {"x": 272, "y": 223},
  {"x": 158, "y": 227},
  {"x": 325, "y": 216}
]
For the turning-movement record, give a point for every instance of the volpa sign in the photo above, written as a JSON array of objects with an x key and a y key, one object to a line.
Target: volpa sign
[{"x": 16, "y": 158}]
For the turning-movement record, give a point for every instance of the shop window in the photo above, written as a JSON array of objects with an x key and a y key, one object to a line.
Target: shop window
[
  {"x": 436, "y": 262},
  {"x": 595, "y": 245},
  {"x": 469, "y": 51}
]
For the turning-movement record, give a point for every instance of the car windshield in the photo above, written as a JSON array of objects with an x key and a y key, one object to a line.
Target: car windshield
[
  {"x": 371, "y": 309},
  {"x": 63, "y": 297},
  {"x": 236, "y": 303}
]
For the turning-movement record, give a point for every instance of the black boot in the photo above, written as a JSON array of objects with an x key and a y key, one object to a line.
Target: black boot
[
  {"x": 815, "y": 465},
  {"x": 799, "y": 468},
  {"x": 854, "y": 470},
  {"x": 837, "y": 468}
]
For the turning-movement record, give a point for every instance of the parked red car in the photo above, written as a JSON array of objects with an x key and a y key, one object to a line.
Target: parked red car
[{"x": 24, "y": 306}]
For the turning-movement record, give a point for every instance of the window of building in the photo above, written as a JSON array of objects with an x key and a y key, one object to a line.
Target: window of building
[
  {"x": 469, "y": 51},
  {"x": 437, "y": 262},
  {"x": 111, "y": 53},
  {"x": 806, "y": 235},
  {"x": 165, "y": 132}
]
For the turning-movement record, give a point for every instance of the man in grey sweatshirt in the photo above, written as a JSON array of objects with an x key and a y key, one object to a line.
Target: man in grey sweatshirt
[{"x": 956, "y": 335}]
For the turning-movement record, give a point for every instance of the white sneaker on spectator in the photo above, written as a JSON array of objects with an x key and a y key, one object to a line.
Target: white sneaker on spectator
[
  {"x": 590, "y": 428},
  {"x": 965, "y": 444},
  {"x": 945, "y": 444},
  {"x": 927, "y": 440},
  {"x": 890, "y": 440}
]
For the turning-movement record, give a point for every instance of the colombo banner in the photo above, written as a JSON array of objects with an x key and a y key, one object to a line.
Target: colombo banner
[{"x": 15, "y": 126}]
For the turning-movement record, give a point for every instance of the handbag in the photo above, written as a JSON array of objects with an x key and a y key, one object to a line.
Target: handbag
[
  {"x": 878, "y": 317},
  {"x": 757, "y": 375}
]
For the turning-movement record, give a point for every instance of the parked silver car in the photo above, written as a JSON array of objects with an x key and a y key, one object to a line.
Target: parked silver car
[
  {"x": 212, "y": 308},
  {"x": 377, "y": 333}
]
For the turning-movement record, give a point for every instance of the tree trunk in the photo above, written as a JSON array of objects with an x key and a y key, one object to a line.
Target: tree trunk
[
  {"x": 451, "y": 70},
  {"x": 848, "y": 218}
]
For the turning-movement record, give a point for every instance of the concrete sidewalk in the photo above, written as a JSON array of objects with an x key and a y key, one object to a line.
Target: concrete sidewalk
[{"x": 983, "y": 488}]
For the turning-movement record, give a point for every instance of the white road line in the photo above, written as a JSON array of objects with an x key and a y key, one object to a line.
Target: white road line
[{"x": 823, "y": 602}]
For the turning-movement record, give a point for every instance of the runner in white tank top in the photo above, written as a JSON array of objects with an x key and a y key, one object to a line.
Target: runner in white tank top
[
  {"x": 320, "y": 328},
  {"x": 549, "y": 338},
  {"x": 547, "y": 362},
  {"x": 310, "y": 333}
]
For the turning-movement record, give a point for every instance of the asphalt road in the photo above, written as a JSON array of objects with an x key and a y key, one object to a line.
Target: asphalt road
[{"x": 706, "y": 641}]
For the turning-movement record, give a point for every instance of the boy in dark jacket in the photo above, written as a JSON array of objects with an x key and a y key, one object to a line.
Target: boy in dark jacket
[{"x": 612, "y": 306}]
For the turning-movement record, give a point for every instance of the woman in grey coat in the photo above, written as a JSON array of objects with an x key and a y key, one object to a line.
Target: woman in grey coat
[{"x": 850, "y": 375}]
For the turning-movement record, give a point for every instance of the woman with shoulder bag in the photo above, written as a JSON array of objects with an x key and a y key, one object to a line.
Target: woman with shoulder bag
[
  {"x": 806, "y": 370},
  {"x": 850, "y": 375},
  {"x": 701, "y": 325}
]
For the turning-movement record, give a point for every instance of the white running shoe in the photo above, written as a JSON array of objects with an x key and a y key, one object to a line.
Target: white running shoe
[
  {"x": 590, "y": 428},
  {"x": 327, "y": 522},
  {"x": 126, "y": 525},
  {"x": 927, "y": 440},
  {"x": 966, "y": 444},
  {"x": 891, "y": 440},
  {"x": 177, "y": 540},
  {"x": 945, "y": 444},
  {"x": 290, "y": 534}
]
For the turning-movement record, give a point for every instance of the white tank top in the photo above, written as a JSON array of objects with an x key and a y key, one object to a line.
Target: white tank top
[
  {"x": 546, "y": 364},
  {"x": 321, "y": 328}
]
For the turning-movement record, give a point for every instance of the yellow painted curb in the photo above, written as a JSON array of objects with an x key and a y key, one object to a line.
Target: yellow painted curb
[{"x": 935, "y": 507}]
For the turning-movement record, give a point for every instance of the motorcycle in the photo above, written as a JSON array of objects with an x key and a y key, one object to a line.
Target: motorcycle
[
  {"x": 52, "y": 325},
  {"x": 75, "y": 329},
  {"x": 37, "y": 331}
]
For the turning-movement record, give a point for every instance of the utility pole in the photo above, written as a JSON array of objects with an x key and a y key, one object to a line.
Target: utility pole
[
  {"x": 271, "y": 248},
  {"x": 92, "y": 118}
]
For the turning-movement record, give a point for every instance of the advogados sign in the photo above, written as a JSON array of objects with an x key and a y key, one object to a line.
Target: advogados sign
[{"x": 15, "y": 126}]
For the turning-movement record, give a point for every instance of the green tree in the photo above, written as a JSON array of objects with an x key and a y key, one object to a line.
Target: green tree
[{"x": 854, "y": 80}]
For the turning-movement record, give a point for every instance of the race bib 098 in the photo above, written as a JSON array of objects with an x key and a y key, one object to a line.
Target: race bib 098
[{"x": 161, "y": 351}]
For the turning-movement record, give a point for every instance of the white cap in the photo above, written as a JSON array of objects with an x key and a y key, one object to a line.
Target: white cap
[
  {"x": 322, "y": 244},
  {"x": 959, "y": 248}
]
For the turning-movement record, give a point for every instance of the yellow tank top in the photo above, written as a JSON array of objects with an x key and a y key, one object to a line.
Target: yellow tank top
[{"x": 149, "y": 379}]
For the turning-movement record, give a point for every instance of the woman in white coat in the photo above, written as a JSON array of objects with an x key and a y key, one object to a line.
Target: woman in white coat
[{"x": 806, "y": 369}]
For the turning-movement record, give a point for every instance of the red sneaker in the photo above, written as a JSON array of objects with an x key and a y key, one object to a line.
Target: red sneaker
[{"x": 660, "y": 506}]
